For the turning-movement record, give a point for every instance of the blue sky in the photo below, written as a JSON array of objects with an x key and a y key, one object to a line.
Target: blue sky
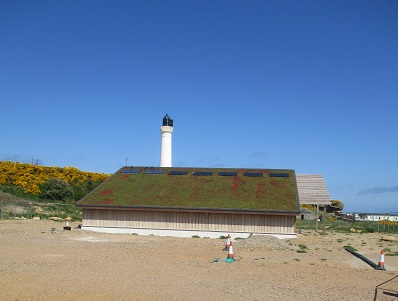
[{"x": 304, "y": 85}]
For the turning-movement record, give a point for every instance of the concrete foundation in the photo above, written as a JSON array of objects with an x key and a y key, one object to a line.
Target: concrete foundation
[{"x": 179, "y": 233}]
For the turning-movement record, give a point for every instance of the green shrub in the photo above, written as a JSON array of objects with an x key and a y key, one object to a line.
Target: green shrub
[
  {"x": 368, "y": 230},
  {"x": 56, "y": 189},
  {"x": 303, "y": 248}
]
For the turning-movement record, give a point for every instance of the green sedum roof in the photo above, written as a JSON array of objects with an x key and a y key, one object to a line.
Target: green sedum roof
[{"x": 274, "y": 190}]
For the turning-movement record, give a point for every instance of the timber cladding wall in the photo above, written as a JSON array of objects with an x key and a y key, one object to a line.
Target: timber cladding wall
[{"x": 202, "y": 221}]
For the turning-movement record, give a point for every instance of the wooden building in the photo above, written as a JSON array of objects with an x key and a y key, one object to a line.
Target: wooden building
[{"x": 208, "y": 202}]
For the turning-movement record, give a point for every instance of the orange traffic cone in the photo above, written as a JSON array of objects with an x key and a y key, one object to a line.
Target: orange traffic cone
[
  {"x": 380, "y": 265},
  {"x": 230, "y": 257},
  {"x": 227, "y": 242}
]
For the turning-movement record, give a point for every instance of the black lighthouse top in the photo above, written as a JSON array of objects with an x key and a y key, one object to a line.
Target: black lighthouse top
[{"x": 167, "y": 121}]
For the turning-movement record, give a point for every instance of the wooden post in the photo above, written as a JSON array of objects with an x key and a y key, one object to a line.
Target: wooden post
[
  {"x": 323, "y": 221},
  {"x": 384, "y": 222},
  {"x": 317, "y": 217}
]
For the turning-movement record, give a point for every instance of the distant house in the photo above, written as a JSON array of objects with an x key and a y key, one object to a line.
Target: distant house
[
  {"x": 307, "y": 214},
  {"x": 208, "y": 202}
]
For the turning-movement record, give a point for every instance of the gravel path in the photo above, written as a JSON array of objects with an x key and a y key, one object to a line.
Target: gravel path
[{"x": 81, "y": 265}]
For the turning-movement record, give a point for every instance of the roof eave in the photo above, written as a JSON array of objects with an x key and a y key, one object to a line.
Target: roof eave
[{"x": 190, "y": 209}]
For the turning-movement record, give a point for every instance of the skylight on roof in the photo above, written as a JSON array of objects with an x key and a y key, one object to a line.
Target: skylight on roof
[
  {"x": 203, "y": 173},
  {"x": 253, "y": 174},
  {"x": 130, "y": 171},
  {"x": 279, "y": 175},
  {"x": 154, "y": 172},
  {"x": 178, "y": 173},
  {"x": 227, "y": 174}
]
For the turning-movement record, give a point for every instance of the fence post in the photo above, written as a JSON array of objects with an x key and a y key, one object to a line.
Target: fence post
[
  {"x": 384, "y": 222},
  {"x": 323, "y": 221}
]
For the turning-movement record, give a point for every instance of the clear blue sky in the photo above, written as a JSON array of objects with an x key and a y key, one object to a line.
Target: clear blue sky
[{"x": 304, "y": 85}]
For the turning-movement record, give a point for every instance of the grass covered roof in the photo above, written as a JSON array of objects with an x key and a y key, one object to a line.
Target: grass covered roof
[{"x": 197, "y": 188}]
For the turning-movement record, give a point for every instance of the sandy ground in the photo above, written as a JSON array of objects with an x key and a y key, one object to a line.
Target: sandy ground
[{"x": 36, "y": 264}]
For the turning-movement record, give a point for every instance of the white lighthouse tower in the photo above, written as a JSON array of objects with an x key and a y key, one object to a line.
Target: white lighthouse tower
[{"x": 165, "y": 145}]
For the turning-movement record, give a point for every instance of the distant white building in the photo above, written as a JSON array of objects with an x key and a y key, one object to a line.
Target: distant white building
[{"x": 374, "y": 217}]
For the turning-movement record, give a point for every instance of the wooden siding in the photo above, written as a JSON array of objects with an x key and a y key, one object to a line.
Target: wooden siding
[
  {"x": 312, "y": 189},
  {"x": 199, "y": 221}
]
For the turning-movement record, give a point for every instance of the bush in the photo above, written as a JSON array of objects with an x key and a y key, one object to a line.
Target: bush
[
  {"x": 56, "y": 189},
  {"x": 303, "y": 248},
  {"x": 369, "y": 230},
  {"x": 28, "y": 177}
]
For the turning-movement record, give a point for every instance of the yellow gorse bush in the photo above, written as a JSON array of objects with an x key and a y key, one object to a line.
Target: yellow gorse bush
[
  {"x": 388, "y": 222},
  {"x": 29, "y": 176}
]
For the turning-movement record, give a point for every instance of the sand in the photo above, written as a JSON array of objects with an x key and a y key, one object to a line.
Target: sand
[{"x": 36, "y": 264}]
